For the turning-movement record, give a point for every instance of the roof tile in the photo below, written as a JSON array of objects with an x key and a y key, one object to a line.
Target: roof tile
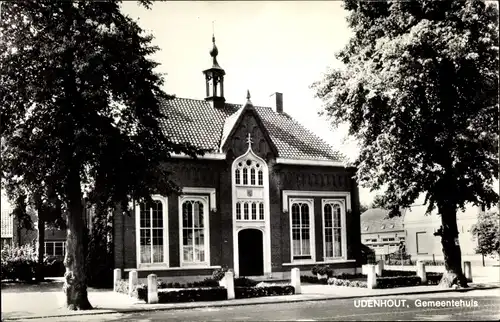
[{"x": 201, "y": 124}]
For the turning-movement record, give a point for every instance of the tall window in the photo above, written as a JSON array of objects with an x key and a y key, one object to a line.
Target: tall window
[
  {"x": 251, "y": 172},
  {"x": 301, "y": 230},
  {"x": 332, "y": 225},
  {"x": 151, "y": 232},
  {"x": 194, "y": 231}
]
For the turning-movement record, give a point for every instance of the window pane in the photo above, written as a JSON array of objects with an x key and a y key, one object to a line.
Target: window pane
[
  {"x": 145, "y": 216},
  {"x": 198, "y": 214},
  {"x": 58, "y": 249},
  {"x": 261, "y": 178},
  {"x": 328, "y": 243},
  {"x": 261, "y": 211},
  {"x": 245, "y": 176},
  {"x": 157, "y": 214},
  {"x": 188, "y": 254},
  {"x": 252, "y": 177},
  {"x": 237, "y": 176},
  {"x": 145, "y": 245},
  {"x": 157, "y": 245},
  {"x": 245, "y": 211},
  {"x": 336, "y": 217},
  {"x": 254, "y": 211},
  {"x": 238, "y": 211},
  {"x": 305, "y": 215},
  {"x": 338, "y": 242}
]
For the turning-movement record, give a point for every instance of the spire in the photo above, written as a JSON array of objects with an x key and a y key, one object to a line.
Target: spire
[
  {"x": 214, "y": 51},
  {"x": 249, "y": 102}
]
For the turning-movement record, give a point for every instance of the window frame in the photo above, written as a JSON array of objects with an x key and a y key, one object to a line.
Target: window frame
[
  {"x": 343, "y": 228},
  {"x": 206, "y": 232},
  {"x": 54, "y": 242},
  {"x": 312, "y": 239},
  {"x": 166, "y": 244}
]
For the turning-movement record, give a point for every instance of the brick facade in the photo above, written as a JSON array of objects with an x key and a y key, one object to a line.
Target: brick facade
[{"x": 217, "y": 174}]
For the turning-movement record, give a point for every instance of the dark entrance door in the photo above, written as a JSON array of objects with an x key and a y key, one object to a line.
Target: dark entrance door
[{"x": 250, "y": 253}]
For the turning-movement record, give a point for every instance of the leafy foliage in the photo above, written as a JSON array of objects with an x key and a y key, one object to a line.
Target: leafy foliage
[
  {"x": 487, "y": 233},
  {"x": 419, "y": 90},
  {"x": 81, "y": 111}
]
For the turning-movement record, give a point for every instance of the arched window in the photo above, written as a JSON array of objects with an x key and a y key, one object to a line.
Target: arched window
[
  {"x": 249, "y": 173},
  {"x": 151, "y": 233},
  {"x": 261, "y": 211},
  {"x": 301, "y": 230},
  {"x": 332, "y": 225},
  {"x": 194, "y": 229},
  {"x": 254, "y": 211}
]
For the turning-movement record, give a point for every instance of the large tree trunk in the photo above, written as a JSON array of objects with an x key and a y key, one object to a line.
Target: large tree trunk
[
  {"x": 453, "y": 274},
  {"x": 75, "y": 284},
  {"x": 41, "y": 248}
]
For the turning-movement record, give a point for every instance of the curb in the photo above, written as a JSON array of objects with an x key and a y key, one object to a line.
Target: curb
[{"x": 230, "y": 304}]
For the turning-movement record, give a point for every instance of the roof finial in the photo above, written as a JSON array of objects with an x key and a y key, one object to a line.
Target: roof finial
[
  {"x": 249, "y": 140},
  {"x": 214, "y": 52},
  {"x": 248, "y": 94}
]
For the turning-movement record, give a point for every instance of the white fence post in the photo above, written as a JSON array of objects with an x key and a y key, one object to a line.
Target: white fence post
[
  {"x": 379, "y": 268},
  {"x": 117, "y": 277},
  {"x": 132, "y": 282},
  {"x": 421, "y": 271},
  {"x": 152, "y": 289},
  {"x": 468, "y": 271},
  {"x": 296, "y": 280},
  {"x": 372, "y": 277},
  {"x": 229, "y": 277}
]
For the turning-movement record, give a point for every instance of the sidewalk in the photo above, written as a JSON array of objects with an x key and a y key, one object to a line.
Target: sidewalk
[{"x": 30, "y": 305}]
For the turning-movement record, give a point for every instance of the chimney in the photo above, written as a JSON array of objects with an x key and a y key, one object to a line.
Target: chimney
[{"x": 277, "y": 102}]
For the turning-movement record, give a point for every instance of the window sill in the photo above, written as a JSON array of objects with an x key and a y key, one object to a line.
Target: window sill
[
  {"x": 159, "y": 268},
  {"x": 300, "y": 262},
  {"x": 336, "y": 261}
]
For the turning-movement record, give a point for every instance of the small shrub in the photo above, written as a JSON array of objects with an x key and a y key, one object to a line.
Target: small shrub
[
  {"x": 344, "y": 282},
  {"x": 434, "y": 278},
  {"x": 244, "y": 282},
  {"x": 322, "y": 270},
  {"x": 312, "y": 279},
  {"x": 275, "y": 290},
  {"x": 192, "y": 295},
  {"x": 219, "y": 273}
]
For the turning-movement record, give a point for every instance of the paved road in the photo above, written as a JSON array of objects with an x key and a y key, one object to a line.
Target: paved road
[{"x": 476, "y": 306}]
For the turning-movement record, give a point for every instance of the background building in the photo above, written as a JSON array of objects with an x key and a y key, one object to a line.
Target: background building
[{"x": 381, "y": 234}]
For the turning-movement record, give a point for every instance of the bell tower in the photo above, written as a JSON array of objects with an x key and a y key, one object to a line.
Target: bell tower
[{"x": 214, "y": 79}]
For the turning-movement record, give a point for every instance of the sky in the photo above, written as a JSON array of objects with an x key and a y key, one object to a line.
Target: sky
[{"x": 264, "y": 47}]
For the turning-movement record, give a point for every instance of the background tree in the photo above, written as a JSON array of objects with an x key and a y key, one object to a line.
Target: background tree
[
  {"x": 81, "y": 113},
  {"x": 487, "y": 233},
  {"x": 363, "y": 208},
  {"x": 419, "y": 91}
]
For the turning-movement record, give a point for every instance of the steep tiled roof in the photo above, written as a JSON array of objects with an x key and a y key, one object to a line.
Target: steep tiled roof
[
  {"x": 197, "y": 122},
  {"x": 376, "y": 220}
]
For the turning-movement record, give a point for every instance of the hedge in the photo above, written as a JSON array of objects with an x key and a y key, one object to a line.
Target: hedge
[
  {"x": 192, "y": 295},
  {"x": 248, "y": 292},
  {"x": 398, "y": 281},
  {"x": 20, "y": 263}
]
